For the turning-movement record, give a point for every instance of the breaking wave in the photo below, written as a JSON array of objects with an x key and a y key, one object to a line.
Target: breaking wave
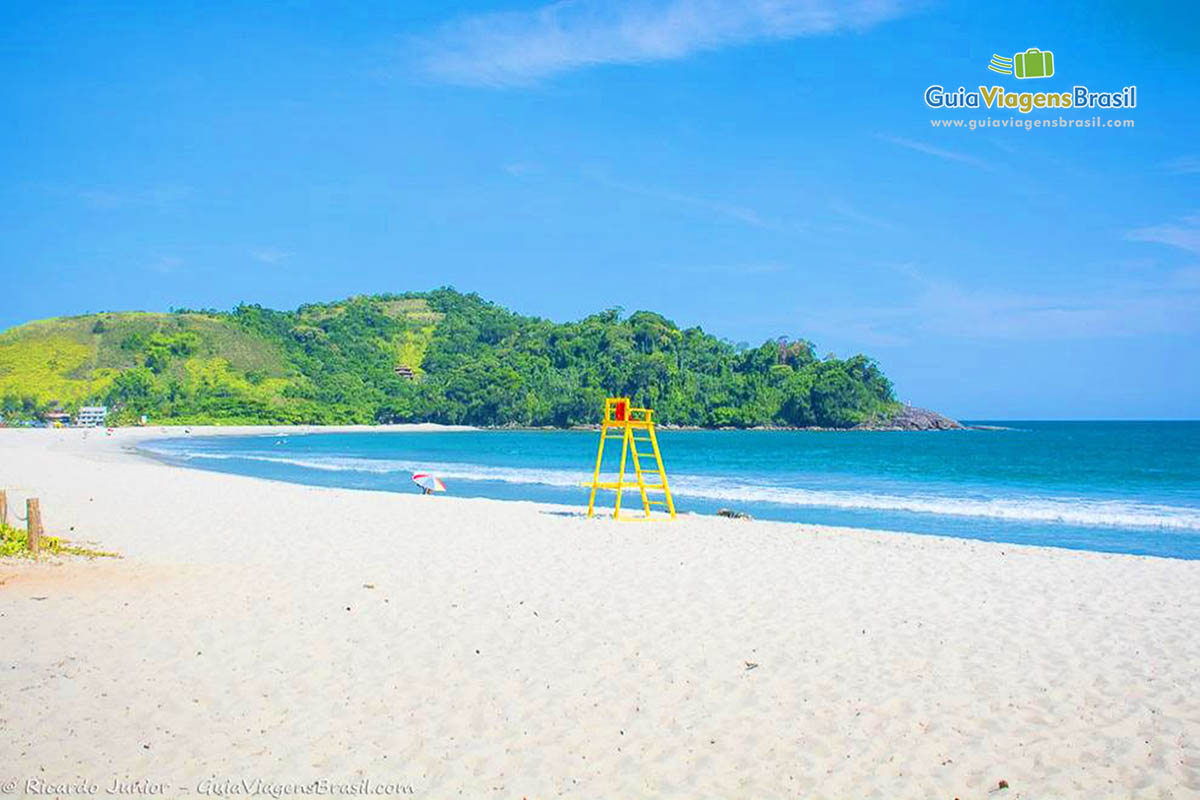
[{"x": 1016, "y": 508}]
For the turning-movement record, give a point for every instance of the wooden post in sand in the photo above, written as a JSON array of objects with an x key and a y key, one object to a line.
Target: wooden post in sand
[
  {"x": 3, "y": 508},
  {"x": 33, "y": 518}
]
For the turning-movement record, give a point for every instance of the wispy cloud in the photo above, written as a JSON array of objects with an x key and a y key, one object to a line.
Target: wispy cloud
[
  {"x": 937, "y": 152},
  {"x": 737, "y": 213},
  {"x": 1169, "y": 304},
  {"x": 107, "y": 199},
  {"x": 1185, "y": 165},
  {"x": 519, "y": 169},
  {"x": 999, "y": 314},
  {"x": 853, "y": 214},
  {"x": 270, "y": 255},
  {"x": 102, "y": 199},
  {"x": 165, "y": 265},
  {"x": 524, "y": 47},
  {"x": 1184, "y": 234},
  {"x": 1187, "y": 279},
  {"x": 734, "y": 269}
]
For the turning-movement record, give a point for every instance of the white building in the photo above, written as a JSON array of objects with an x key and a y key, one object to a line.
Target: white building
[{"x": 91, "y": 416}]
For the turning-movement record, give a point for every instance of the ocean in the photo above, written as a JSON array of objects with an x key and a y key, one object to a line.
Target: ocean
[{"x": 1124, "y": 487}]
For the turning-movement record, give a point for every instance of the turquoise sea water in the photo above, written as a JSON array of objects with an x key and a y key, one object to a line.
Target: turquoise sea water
[{"x": 1129, "y": 487}]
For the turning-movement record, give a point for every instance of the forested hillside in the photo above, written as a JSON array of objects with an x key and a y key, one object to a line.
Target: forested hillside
[{"x": 438, "y": 356}]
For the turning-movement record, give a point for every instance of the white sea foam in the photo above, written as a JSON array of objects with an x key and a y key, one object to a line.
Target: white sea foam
[{"x": 1029, "y": 509}]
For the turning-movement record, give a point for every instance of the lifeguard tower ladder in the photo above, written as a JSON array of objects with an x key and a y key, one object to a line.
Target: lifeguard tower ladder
[{"x": 633, "y": 426}]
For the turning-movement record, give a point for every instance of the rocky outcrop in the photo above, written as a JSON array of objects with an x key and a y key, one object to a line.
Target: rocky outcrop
[{"x": 911, "y": 418}]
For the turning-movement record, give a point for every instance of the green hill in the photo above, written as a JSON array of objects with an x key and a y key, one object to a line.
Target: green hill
[{"x": 439, "y": 356}]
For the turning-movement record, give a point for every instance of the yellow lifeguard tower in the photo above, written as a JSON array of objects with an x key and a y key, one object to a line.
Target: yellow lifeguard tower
[{"x": 633, "y": 426}]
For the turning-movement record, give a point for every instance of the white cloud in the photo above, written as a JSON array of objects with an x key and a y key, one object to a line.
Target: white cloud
[
  {"x": 737, "y": 213},
  {"x": 1187, "y": 278},
  {"x": 165, "y": 265},
  {"x": 734, "y": 269},
  {"x": 102, "y": 198},
  {"x": 269, "y": 255},
  {"x": 151, "y": 197},
  {"x": 937, "y": 152},
  {"x": 1184, "y": 235},
  {"x": 1185, "y": 165},
  {"x": 1167, "y": 305},
  {"x": 853, "y": 214},
  {"x": 991, "y": 314},
  {"x": 522, "y": 48}
]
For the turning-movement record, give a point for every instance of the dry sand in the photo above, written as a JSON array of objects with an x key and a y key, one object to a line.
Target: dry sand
[{"x": 265, "y": 631}]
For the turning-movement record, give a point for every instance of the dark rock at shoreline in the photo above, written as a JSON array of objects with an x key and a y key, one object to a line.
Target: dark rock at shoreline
[{"x": 911, "y": 418}]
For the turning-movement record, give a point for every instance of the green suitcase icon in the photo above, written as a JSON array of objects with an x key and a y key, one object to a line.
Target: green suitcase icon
[{"x": 1034, "y": 63}]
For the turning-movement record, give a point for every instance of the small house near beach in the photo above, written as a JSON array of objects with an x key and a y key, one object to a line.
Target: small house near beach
[{"x": 91, "y": 416}]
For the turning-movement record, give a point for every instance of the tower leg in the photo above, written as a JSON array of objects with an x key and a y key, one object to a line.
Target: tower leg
[
  {"x": 596, "y": 473},
  {"x": 621, "y": 473},
  {"x": 662, "y": 473}
]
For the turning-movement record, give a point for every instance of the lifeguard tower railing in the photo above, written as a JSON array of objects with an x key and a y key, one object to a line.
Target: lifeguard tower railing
[{"x": 639, "y": 446}]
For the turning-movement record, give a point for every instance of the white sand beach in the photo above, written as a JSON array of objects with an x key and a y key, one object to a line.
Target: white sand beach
[{"x": 257, "y": 630}]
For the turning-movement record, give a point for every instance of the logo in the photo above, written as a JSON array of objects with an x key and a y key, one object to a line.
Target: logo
[
  {"x": 1001, "y": 64},
  {"x": 1033, "y": 63}
]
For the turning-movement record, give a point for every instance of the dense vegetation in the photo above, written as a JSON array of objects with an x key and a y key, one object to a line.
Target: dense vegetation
[{"x": 471, "y": 361}]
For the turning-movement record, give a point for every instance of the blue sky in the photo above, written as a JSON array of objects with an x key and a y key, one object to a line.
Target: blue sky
[{"x": 758, "y": 168}]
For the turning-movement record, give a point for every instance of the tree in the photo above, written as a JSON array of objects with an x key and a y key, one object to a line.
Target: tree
[
  {"x": 475, "y": 363},
  {"x": 133, "y": 389}
]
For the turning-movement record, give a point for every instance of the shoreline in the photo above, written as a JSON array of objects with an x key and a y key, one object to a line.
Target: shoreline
[
  {"x": 577, "y": 510},
  {"x": 1076, "y": 531},
  {"x": 413, "y": 427},
  {"x": 474, "y": 646}
]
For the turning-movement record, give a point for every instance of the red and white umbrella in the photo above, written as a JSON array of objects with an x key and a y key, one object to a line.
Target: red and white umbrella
[{"x": 428, "y": 482}]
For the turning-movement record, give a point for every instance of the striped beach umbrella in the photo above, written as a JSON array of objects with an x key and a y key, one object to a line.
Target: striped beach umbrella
[{"x": 429, "y": 483}]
